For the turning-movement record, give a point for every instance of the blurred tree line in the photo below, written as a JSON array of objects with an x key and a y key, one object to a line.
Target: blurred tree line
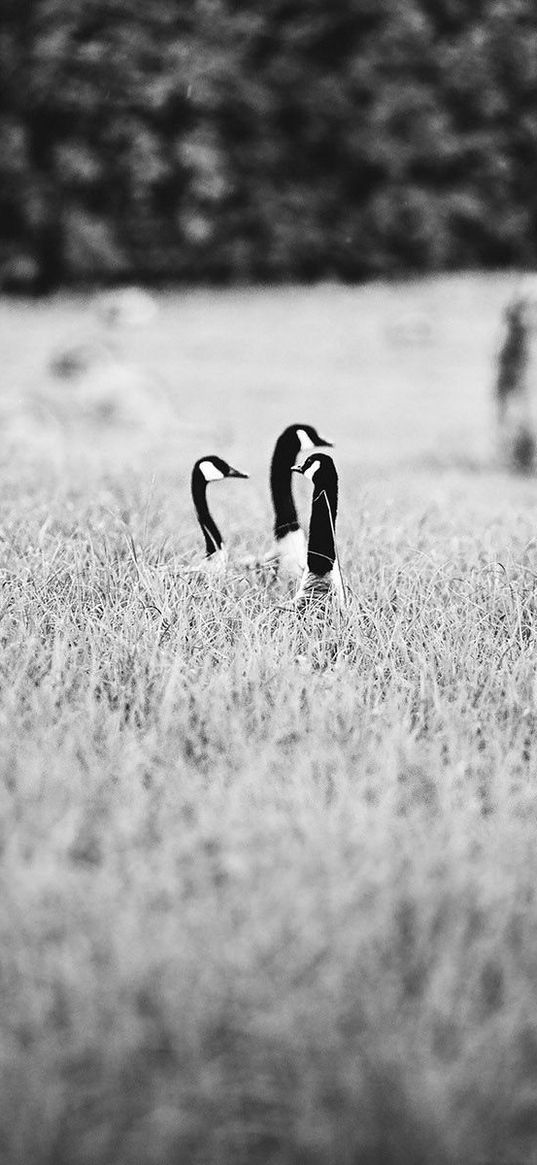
[{"x": 271, "y": 139}]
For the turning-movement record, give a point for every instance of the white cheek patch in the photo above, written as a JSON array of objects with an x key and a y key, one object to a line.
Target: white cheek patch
[
  {"x": 305, "y": 441},
  {"x": 312, "y": 469},
  {"x": 210, "y": 472}
]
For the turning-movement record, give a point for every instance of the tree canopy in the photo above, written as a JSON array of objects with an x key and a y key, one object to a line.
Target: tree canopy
[{"x": 275, "y": 139}]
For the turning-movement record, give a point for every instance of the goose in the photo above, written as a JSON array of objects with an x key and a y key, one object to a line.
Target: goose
[
  {"x": 289, "y": 554},
  {"x": 208, "y": 469},
  {"x": 322, "y": 575}
]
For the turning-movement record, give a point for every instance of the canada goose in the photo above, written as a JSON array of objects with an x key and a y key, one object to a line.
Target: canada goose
[
  {"x": 290, "y": 551},
  {"x": 322, "y": 575},
  {"x": 205, "y": 470}
]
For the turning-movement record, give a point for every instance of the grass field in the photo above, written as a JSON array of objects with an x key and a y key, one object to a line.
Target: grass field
[{"x": 269, "y": 891}]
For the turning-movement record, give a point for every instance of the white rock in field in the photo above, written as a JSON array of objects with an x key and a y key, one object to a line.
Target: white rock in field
[{"x": 127, "y": 306}]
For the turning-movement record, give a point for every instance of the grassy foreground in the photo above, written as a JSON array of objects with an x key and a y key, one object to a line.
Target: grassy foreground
[{"x": 269, "y": 891}]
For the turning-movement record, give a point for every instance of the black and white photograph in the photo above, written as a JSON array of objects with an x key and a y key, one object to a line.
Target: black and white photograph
[{"x": 268, "y": 582}]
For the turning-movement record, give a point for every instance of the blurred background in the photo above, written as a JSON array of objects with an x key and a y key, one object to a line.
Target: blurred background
[{"x": 201, "y": 141}]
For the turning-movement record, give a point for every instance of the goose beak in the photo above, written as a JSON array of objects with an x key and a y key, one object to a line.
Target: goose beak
[
  {"x": 297, "y": 469},
  {"x": 326, "y": 444},
  {"x": 237, "y": 473}
]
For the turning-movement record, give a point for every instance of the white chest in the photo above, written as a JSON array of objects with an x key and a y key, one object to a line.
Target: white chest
[
  {"x": 291, "y": 551},
  {"x": 215, "y": 564},
  {"x": 318, "y": 588},
  {"x": 337, "y": 583}
]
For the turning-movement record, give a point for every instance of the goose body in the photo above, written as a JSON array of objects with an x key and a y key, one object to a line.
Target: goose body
[
  {"x": 208, "y": 469},
  {"x": 321, "y": 578},
  {"x": 290, "y": 551}
]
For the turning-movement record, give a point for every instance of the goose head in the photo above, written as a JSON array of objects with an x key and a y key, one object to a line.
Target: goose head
[
  {"x": 319, "y": 468},
  {"x": 301, "y": 439},
  {"x": 216, "y": 469}
]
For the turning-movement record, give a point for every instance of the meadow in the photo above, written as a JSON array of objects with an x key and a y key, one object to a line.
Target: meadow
[{"x": 269, "y": 889}]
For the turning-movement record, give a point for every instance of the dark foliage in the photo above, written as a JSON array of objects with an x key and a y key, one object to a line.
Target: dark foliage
[{"x": 200, "y": 139}]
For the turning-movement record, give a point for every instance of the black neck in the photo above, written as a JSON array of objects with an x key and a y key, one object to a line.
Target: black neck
[
  {"x": 211, "y": 533},
  {"x": 322, "y": 535},
  {"x": 285, "y": 455}
]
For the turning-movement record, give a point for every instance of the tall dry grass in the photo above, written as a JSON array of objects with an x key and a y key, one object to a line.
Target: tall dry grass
[{"x": 268, "y": 886}]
